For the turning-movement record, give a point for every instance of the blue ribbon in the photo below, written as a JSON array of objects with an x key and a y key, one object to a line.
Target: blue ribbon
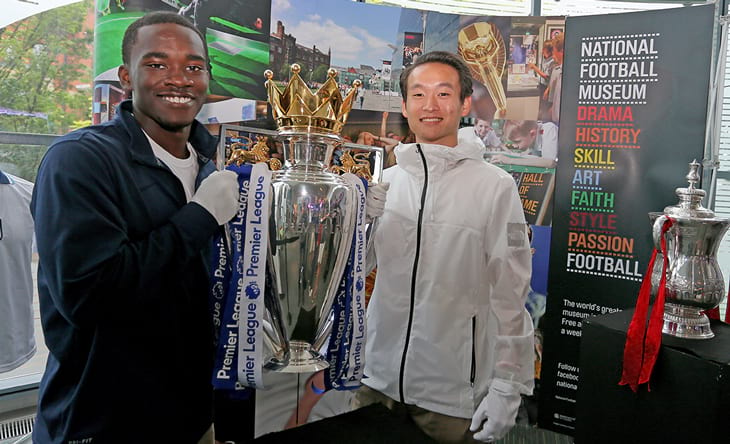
[
  {"x": 225, "y": 308},
  {"x": 219, "y": 282},
  {"x": 338, "y": 349},
  {"x": 227, "y": 274}
]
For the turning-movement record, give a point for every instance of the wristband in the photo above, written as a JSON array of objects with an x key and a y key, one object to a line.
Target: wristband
[{"x": 316, "y": 390}]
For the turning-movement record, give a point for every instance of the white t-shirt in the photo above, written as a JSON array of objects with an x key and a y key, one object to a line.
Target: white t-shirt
[
  {"x": 556, "y": 84},
  {"x": 547, "y": 140},
  {"x": 17, "y": 341},
  {"x": 185, "y": 169}
]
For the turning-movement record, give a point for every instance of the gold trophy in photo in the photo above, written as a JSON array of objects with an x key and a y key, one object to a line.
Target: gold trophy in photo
[{"x": 482, "y": 47}]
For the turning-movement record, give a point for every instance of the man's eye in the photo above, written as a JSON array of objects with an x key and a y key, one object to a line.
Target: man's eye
[
  {"x": 196, "y": 68},
  {"x": 156, "y": 65},
  {"x": 417, "y": 94},
  {"x": 444, "y": 94}
]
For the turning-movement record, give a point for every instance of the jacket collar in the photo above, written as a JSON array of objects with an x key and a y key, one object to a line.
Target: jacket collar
[
  {"x": 201, "y": 140},
  {"x": 439, "y": 158}
]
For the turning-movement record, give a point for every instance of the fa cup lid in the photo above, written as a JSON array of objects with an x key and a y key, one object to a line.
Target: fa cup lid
[{"x": 690, "y": 198}]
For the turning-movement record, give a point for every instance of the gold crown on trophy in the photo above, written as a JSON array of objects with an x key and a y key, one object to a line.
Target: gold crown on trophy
[{"x": 298, "y": 110}]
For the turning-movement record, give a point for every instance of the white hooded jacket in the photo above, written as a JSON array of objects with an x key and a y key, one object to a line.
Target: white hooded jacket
[{"x": 447, "y": 313}]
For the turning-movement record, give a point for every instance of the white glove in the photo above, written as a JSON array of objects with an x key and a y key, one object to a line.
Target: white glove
[
  {"x": 218, "y": 194},
  {"x": 499, "y": 409},
  {"x": 375, "y": 204}
]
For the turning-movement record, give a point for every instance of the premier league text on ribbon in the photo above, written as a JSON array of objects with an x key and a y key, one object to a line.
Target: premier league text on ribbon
[
  {"x": 253, "y": 279},
  {"x": 229, "y": 340},
  {"x": 358, "y": 310},
  {"x": 227, "y": 276},
  {"x": 252, "y": 271},
  {"x": 260, "y": 195},
  {"x": 218, "y": 289},
  {"x": 346, "y": 345}
]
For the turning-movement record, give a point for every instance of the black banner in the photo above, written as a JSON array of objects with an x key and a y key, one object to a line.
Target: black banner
[{"x": 634, "y": 105}]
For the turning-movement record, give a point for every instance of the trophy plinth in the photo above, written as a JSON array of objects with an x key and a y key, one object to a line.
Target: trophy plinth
[
  {"x": 302, "y": 359},
  {"x": 686, "y": 322}
]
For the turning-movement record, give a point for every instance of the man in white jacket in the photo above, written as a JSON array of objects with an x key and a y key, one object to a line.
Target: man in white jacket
[{"x": 450, "y": 343}]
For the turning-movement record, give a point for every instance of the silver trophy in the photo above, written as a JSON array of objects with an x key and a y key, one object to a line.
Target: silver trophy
[
  {"x": 312, "y": 222},
  {"x": 694, "y": 282}
]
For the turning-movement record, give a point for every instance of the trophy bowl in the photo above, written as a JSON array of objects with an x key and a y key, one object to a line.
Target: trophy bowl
[{"x": 694, "y": 279}]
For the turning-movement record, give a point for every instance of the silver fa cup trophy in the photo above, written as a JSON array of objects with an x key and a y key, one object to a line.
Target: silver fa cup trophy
[
  {"x": 312, "y": 222},
  {"x": 694, "y": 282}
]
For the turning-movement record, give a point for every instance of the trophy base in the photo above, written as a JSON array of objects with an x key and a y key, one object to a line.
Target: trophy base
[
  {"x": 686, "y": 322},
  {"x": 302, "y": 359}
]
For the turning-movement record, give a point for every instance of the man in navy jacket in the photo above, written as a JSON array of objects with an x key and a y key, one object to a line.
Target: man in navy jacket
[{"x": 124, "y": 221}]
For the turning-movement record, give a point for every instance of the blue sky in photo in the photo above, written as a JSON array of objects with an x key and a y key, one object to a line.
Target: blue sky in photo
[{"x": 357, "y": 33}]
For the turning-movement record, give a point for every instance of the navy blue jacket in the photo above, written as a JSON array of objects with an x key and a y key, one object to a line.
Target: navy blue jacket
[{"x": 123, "y": 284}]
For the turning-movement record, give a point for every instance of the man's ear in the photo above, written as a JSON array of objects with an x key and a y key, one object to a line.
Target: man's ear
[
  {"x": 123, "y": 74},
  {"x": 403, "y": 109},
  {"x": 466, "y": 106}
]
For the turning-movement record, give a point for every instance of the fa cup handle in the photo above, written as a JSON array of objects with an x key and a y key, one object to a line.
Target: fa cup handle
[{"x": 656, "y": 230}]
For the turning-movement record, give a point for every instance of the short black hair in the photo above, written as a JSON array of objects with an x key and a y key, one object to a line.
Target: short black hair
[
  {"x": 157, "y": 18},
  {"x": 446, "y": 58}
]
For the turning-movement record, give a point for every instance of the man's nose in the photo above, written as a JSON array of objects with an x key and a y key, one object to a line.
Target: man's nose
[
  {"x": 179, "y": 77},
  {"x": 431, "y": 102}
]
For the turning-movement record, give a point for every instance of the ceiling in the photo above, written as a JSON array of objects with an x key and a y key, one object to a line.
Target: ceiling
[{"x": 534, "y": 7}]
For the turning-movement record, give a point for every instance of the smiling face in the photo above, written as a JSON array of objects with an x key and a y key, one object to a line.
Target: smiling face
[
  {"x": 482, "y": 128},
  {"x": 433, "y": 106},
  {"x": 168, "y": 76}
]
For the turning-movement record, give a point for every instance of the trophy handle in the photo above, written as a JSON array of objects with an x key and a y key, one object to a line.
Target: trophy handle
[{"x": 656, "y": 230}]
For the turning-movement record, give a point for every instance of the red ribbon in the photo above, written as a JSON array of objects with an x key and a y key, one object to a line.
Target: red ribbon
[
  {"x": 642, "y": 342},
  {"x": 713, "y": 313}
]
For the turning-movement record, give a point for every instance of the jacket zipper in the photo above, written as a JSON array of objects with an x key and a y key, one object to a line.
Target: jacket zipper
[
  {"x": 413, "y": 276},
  {"x": 473, "y": 373}
]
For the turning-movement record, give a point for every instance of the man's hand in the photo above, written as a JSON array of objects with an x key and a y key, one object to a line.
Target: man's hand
[
  {"x": 218, "y": 194},
  {"x": 375, "y": 204},
  {"x": 499, "y": 409}
]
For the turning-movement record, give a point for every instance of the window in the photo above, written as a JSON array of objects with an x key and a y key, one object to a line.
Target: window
[{"x": 25, "y": 133}]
